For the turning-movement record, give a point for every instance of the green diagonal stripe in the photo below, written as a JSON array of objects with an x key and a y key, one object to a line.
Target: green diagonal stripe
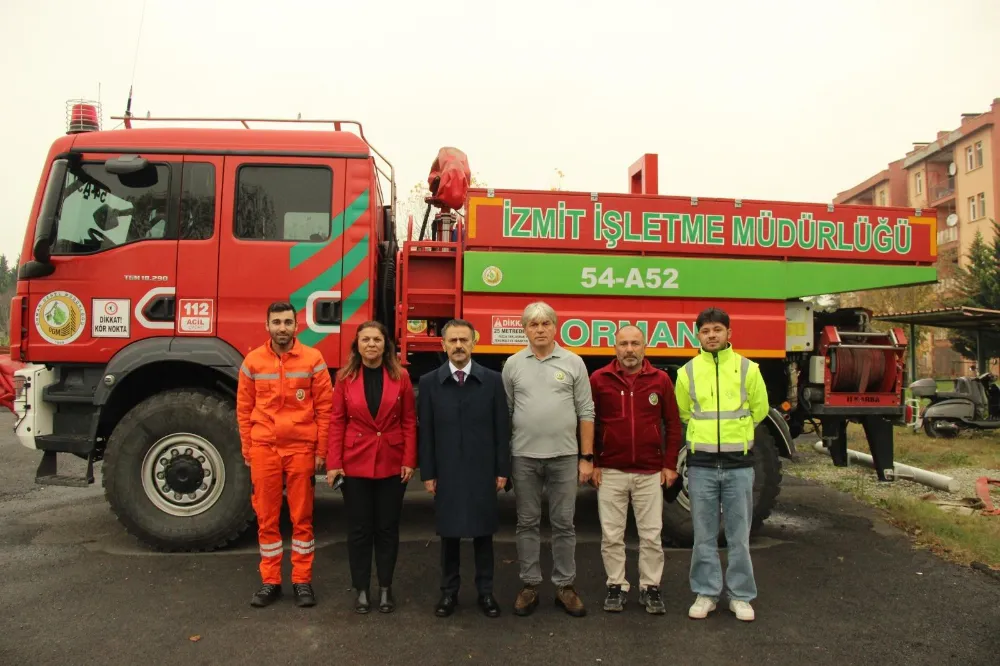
[
  {"x": 328, "y": 279},
  {"x": 302, "y": 251},
  {"x": 333, "y": 275},
  {"x": 354, "y": 302}
]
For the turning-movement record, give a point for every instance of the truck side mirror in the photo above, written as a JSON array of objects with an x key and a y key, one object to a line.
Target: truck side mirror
[
  {"x": 105, "y": 218},
  {"x": 125, "y": 164}
]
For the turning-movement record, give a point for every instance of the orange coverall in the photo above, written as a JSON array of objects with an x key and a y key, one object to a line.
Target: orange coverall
[{"x": 283, "y": 406}]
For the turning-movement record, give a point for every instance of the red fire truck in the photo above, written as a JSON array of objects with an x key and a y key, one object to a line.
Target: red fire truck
[{"x": 152, "y": 253}]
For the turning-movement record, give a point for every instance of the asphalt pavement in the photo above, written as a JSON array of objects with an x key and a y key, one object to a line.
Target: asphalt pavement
[{"x": 837, "y": 586}]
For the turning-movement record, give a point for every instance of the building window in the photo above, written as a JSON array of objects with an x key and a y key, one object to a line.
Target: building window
[
  {"x": 284, "y": 203},
  {"x": 918, "y": 181},
  {"x": 977, "y": 206},
  {"x": 974, "y": 156}
]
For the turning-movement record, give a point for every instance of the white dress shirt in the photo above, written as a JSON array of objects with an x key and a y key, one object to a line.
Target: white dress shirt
[{"x": 454, "y": 370}]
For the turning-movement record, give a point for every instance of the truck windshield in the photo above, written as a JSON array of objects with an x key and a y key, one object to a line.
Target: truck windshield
[{"x": 99, "y": 210}]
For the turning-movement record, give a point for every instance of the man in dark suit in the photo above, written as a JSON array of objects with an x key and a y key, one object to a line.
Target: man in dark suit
[{"x": 464, "y": 458}]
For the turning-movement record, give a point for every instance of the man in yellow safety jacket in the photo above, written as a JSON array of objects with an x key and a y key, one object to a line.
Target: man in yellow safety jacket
[{"x": 721, "y": 398}]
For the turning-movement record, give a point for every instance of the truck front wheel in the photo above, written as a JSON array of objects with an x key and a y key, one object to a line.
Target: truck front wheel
[
  {"x": 678, "y": 529},
  {"x": 174, "y": 473}
]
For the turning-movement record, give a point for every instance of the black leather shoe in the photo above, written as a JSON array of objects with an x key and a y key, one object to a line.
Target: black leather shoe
[
  {"x": 386, "y": 604},
  {"x": 266, "y": 595},
  {"x": 304, "y": 595},
  {"x": 362, "y": 604},
  {"x": 489, "y": 605},
  {"x": 446, "y": 606}
]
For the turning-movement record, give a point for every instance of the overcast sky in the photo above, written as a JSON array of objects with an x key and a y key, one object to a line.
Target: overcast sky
[{"x": 751, "y": 99}]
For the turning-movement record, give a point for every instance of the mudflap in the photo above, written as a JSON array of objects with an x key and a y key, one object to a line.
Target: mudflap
[
  {"x": 879, "y": 433},
  {"x": 835, "y": 439}
]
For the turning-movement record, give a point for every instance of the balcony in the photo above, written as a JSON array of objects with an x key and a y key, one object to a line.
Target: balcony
[
  {"x": 947, "y": 235},
  {"x": 941, "y": 191}
]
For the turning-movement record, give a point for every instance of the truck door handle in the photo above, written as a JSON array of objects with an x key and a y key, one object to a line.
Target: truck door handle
[
  {"x": 328, "y": 311},
  {"x": 160, "y": 308}
]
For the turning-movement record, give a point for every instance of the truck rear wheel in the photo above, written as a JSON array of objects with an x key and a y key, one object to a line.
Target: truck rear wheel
[
  {"x": 678, "y": 529},
  {"x": 174, "y": 473}
]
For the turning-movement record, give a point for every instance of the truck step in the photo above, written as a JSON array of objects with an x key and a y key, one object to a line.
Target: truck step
[
  {"x": 423, "y": 343},
  {"x": 62, "y": 480},
  {"x": 431, "y": 292},
  {"x": 48, "y": 473}
]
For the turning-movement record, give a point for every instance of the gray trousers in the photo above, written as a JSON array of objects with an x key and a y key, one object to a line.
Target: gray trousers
[{"x": 558, "y": 476}]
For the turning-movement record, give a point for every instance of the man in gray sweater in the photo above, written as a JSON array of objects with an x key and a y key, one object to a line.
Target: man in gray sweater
[{"x": 549, "y": 397}]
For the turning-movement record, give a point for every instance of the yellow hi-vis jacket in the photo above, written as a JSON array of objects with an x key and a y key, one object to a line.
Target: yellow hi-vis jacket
[{"x": 721, "y": 397}]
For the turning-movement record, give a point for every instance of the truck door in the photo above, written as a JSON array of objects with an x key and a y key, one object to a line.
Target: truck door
[
  {"x": 114, "y": 255},
  {"x": 198, "y": 246},
  {"x": 280, "y": 241}
]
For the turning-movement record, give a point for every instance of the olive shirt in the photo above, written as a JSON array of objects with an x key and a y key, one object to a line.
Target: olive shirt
[{"x": 547, "y": 399}]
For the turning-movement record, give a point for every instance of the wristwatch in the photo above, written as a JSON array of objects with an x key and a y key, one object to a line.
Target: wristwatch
[{"x": 589, "y": 457}]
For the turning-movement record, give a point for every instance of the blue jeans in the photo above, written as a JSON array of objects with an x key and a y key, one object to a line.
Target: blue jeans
[{"x": 732, "y": 489}]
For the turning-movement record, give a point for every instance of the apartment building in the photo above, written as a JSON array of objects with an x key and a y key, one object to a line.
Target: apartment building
[{"x": 958, "y": 174}]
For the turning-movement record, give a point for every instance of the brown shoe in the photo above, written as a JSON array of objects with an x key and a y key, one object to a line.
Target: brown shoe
[
  {"x": 570, "y": 601},
  {"x": 527, "y": 601}
]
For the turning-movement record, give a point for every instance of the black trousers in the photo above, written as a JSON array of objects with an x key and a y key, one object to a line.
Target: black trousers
[
  {"x": 373, "y": 508},
  {"x": 450, "y": 556}
]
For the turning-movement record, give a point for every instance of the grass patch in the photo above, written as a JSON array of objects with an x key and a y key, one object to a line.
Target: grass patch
[
  {"x": 978, "y": 450},
  {"x": 959, "y": 538},
  {"x": 963, "y": 539}
]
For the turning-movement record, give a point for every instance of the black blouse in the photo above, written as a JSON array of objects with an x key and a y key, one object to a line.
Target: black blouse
[{"x": 373, "y": 388}]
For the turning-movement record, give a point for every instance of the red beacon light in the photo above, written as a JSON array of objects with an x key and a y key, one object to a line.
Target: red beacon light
[{"x": 82, "y": 116}]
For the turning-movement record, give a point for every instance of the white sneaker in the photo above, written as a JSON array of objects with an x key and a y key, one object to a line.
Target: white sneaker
[
  {"x": 743, "y": 610},
  {"x": 701, "y": 607}
]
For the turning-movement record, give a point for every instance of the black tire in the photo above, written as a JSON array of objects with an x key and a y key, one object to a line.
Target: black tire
[
  {"x": 932, "y": 427},
  {"x": 678, "y": 530},
  {"x": 191, "y": 413}
]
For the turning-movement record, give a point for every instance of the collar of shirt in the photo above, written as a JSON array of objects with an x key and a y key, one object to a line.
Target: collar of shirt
[
  {"x": 555, "y": 353},
  {"x": 454, "y": 370}
]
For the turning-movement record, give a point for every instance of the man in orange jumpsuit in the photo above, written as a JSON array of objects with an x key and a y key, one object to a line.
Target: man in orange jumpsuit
[{"x": 283, "y": 406}]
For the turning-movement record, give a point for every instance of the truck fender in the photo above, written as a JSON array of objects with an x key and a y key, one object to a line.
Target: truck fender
[
  {"x": 209, "y": 352},
  {"x": 953, "y": 408},
  {"x": 782, "y": 434}
]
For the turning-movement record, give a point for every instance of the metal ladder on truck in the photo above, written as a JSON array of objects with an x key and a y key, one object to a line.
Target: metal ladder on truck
[{"x": 429, "y": 288}]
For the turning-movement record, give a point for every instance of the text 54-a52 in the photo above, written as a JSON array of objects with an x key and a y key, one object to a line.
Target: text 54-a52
[{"x": 654, "y": 278}]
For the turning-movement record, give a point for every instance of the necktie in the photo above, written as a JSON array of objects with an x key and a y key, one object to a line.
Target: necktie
[{"x": 461, "y": 377}]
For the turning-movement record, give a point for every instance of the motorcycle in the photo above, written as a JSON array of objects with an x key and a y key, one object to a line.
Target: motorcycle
[{"x": 974, "y": 404}]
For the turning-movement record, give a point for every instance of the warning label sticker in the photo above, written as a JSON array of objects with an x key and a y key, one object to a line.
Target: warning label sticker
[
  {"x": 112, "y": 318},
  {"x": 507, "y": 330}
]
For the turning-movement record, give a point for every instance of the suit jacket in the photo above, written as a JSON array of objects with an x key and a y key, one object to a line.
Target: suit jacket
[
  {"x": 373, "y": 448},
  {"x": 465, "y": 446}
]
